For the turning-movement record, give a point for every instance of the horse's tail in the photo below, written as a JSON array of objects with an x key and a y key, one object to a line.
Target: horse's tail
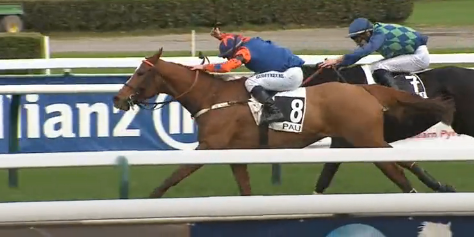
[{"x": 412, "y": 104}]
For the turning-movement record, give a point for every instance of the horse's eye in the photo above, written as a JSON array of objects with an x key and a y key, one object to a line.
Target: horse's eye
[{"x": 140, "y": 73}]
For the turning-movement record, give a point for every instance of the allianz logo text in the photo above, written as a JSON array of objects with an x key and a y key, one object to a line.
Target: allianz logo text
[{"x": 84, "y": 116}]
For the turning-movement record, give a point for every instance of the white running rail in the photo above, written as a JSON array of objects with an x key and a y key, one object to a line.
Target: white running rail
[{"x": 133, "y": 62}]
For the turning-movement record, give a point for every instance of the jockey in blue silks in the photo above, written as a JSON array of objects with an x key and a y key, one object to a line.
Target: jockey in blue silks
[
  {"x": 276, "y": 68},
  {"x": 403, "y": 49}
]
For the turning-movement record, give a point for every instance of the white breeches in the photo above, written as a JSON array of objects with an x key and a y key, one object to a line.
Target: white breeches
[
  {"x": 417, "y": 61},
  {"x": 276, "y": 81}
]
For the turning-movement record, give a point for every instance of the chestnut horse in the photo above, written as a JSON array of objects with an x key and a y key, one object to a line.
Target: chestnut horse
[{"x": 227, "y": 117}]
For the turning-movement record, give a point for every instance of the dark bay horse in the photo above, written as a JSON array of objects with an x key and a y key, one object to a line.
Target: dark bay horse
[
  {"x": 452, "y": 82},
  {"x": 227, "y": 117}
]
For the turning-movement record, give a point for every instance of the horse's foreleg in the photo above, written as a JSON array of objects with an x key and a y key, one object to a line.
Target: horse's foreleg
[
  {"x": 426, "y": 178},
  {"x": 327, "y": 174},
  {"x": 178, "y": 175},
  {"x": 242, "y": 178},
  {"x": 330, "y": 169}
]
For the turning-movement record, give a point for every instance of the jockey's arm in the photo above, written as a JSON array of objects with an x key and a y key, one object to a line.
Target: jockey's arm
[
  {"x": 374, "y": 43},
  {"x": 241, "y": 57}
]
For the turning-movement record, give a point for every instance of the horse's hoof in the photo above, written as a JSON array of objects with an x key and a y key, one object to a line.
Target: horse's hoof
[
  {"x": 446, "y": 189},
  {"x": 155, "y": 194},
  {"x": 316, "y": 193}
]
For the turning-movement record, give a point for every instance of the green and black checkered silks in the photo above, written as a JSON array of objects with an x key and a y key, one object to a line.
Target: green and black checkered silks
[{"x": 399, "y": 40}]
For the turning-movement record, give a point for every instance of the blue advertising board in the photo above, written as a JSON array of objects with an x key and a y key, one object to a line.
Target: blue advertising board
[
  {"x": 89, "y": 122},
  {"x": 394, "y": 226}
]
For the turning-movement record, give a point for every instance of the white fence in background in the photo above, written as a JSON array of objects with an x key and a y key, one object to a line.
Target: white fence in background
[
  {"x": 133, "y": 62},
  {"x": 59, "y": 89}
]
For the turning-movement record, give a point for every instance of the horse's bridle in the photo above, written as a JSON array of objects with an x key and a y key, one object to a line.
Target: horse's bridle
[{"x": 153, "y": 105}]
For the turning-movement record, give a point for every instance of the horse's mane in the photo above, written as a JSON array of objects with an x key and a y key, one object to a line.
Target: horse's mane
[{"x": 220, "y": 77}]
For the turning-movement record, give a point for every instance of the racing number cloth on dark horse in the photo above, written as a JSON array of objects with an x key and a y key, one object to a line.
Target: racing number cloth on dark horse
[
  {"x": 293, "y": 106},
  {"x": 409, "y": 82}
]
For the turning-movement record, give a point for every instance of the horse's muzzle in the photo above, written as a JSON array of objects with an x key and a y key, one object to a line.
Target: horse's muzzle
[{"x": 122, "y": 104}]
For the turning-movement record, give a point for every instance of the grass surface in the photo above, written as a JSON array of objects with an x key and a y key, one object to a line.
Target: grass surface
[
  {"x": 102, "y": 183},
  {"x": 442, "y": 13}
]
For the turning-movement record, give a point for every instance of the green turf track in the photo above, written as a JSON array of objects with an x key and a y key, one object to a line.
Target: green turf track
[
  {"x": 102, "y": 183},
  {"x": 442, "y": 13}
]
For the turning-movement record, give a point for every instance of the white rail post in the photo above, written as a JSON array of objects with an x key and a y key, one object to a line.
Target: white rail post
[
  {"x": 193, "y": 43},
  {"x": 47, "y": 52}
]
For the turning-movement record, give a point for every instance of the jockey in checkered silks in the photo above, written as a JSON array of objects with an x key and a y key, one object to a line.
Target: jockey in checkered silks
[
  {"x": 403, "y": 49},
  {"x": 276, "y": 68}
]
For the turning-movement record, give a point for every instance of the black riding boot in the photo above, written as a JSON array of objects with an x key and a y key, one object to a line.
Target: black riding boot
[
  {"x": 385, "y": 78},
  {"x": 273, "y": 113}
]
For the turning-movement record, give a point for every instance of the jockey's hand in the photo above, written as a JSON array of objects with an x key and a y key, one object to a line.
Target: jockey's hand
[
  {"x": 216, "y": 33},
  {"x": 329, "y": 63},
  {"x": 197, "y": 67}
]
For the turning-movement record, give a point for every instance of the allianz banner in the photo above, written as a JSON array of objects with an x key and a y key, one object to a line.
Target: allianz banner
[{"x": 89, "y": 122}]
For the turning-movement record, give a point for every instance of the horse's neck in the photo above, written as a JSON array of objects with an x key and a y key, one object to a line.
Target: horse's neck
[
  {"x": 354, "y": 75},
  {"x": 174, "y": 77},
  {"x": 193, "y": 92}
]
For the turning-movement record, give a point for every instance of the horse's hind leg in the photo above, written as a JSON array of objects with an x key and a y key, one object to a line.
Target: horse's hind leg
[
  {"x": 390, "y": 169},
  {"x": 394, "y": 173},
  {"x": 426, "y": 178}
]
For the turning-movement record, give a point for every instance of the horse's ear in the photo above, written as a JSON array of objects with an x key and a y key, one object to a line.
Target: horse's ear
[
  {"x": 160, "y": 51},
  {"x": 156, "y": 56}
]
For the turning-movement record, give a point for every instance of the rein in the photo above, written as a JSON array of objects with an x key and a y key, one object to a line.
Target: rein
[
  {"x": 320, "y": 69},
  {"x": 339, "y": 75},
  {"x": 312, "y": 76},
  {"x": 154, "y": 105}
]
